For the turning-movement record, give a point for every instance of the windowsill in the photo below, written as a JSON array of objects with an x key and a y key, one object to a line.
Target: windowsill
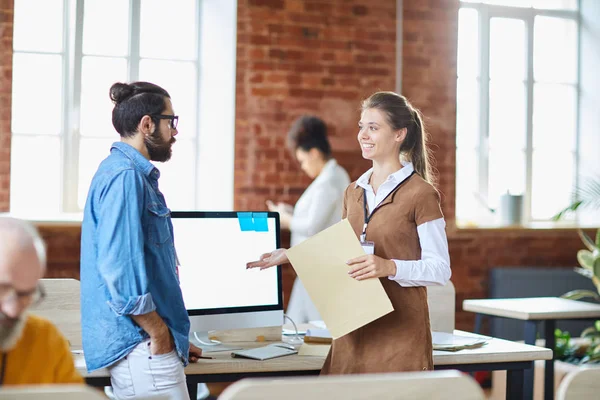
[
  {"x": 74, "y": 219},
  {"x": 62, "y": 219},
  {"x": 537, "y": 225}
]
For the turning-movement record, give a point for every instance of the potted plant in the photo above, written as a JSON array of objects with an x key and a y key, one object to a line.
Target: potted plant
[
  {"x": 586, "y": 196},
  {"x": 586, "y": 350}
]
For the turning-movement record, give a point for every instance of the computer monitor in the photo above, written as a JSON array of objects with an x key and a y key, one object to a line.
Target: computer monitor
[{"x": 219, "y": 292}]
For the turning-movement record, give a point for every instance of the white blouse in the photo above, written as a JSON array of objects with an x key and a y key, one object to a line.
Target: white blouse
[
  {"x": 434, "y": 266},
  {"x": 320, "y": 206}
]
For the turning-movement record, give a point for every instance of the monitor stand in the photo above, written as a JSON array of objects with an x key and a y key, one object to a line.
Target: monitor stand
[{"x": 209, "y": 345}]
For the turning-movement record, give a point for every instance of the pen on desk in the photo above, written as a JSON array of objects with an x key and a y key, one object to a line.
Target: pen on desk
[{"x": 204, "y": 358}]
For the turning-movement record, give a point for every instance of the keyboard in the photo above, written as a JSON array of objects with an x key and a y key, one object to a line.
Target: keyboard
[{"x": 266, "y": 352}]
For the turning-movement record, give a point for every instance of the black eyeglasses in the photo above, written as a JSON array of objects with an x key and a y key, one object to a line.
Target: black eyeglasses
[
  {"x": 174, "y": 119},
  {"x": 24, "y": 298}
]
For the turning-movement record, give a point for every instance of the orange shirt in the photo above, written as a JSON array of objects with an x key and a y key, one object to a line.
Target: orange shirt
[{"x": 41, "y": 356}]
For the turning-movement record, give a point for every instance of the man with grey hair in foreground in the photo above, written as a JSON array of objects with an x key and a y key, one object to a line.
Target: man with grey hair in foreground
[{"x": 32, "y": 350}]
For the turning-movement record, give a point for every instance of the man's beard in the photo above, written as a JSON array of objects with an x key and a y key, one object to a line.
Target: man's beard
[
  {"x": 11, "y": 330},
  {"x": 158, "y": 148}
]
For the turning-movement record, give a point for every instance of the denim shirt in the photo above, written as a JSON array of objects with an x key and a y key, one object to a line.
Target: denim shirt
[{"x": 128, "y": 261}]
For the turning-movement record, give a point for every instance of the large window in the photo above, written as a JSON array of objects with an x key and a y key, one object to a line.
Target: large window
[
  {"x": 67, "y": 54},
  {"x": 517, "y": 106}
]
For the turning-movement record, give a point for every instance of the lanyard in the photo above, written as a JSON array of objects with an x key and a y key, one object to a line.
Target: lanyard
[
  {"x": 369, "y": 216},
  {"x": 3, "y": 368}
]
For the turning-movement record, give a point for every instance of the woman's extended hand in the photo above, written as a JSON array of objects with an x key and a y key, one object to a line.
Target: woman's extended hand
[
  {"x": 267, "y": 260},
  {"x": 371, "y": 266}
]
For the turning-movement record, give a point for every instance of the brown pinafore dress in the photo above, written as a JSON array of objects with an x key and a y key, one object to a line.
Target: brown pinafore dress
[{"x": 400, "y": 340}]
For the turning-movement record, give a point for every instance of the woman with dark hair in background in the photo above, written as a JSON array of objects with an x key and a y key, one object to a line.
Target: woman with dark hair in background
[
  {"x": 319, "y": 207},
  {"x": 394, "y": 209}
]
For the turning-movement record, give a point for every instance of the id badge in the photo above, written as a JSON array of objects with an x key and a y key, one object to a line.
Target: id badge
[{"x": 368, "y": 246}]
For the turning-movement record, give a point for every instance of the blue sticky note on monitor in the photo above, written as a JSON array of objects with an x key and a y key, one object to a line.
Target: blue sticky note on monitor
[
  {"x": 245, "y": 221},
  {"x": 260, "y": 222}
]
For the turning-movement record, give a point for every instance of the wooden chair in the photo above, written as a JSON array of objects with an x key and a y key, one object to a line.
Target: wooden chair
[
  {"x": 398, "y": 386},
  {"x": 581, "y": 384},
  {"x": 51, "y": 392},
  {"x": 61, "y": 307},
  {"x": 441, "y": 300}
]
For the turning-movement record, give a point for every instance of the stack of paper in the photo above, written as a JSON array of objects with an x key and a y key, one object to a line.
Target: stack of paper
[
  {"x": 292, "y": 332},
  {"x": 314, "y": 349},
  {"x": 450, "y": 342},
  {"x": 316, "y": 335}
]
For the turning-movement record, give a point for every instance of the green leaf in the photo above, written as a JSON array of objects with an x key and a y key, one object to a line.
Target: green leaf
[
  {"x": 587, "y": 195},
  {"x": 589, "y": 192},
  {"x": 590, "y": 333},
  {"x": 580, "y": 294},
  {"x": 597, "y": 267},
  {"x": 586, "y": 259},
  {"x": 589, "y": 243},
  {"x": 596, "y": 282},
  {"x": 598, "y": 238},
  {"x": 572, "y": 208},
  {"x": 585, "y": 272}
]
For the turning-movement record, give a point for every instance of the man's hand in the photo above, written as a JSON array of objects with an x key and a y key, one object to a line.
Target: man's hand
[
  {"x": 195, "y": 353},
  {"x": 161, "y": 343},
  {"x": 371, "y": 266}
]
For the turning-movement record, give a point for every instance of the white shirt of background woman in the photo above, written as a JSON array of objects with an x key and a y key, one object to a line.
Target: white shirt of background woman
[{"x": 320, "y": 206}]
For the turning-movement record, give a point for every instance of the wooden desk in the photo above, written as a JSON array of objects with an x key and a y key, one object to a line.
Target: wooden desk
[
  {"x": 533, "y": 310},
  {"x": 497, "y": 354}
]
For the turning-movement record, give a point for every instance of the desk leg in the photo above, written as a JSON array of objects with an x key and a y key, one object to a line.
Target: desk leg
[
  {"x": 549, "y": 326},
  {"x": 514, "y": 383},
  {"x": 478, "y": 319},
  {"x": 192, "y": 390},
  {"x": 530, "y": 336}
]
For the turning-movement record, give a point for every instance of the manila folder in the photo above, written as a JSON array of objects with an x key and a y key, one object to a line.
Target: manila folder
[{"x": 344, "y": 303}]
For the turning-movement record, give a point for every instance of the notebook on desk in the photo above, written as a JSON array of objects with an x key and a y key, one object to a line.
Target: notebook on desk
[
  {"x": 451, "y": 342},
  {"x": 316, "y": 335},
  {"x": 266, "y": 352}
]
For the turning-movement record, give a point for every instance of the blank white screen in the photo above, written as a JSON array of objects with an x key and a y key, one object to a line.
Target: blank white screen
[{"x": 213, "y": 253}]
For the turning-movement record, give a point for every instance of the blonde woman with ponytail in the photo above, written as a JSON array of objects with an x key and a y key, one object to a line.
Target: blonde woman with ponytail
[{"x": 395, "y": 211}]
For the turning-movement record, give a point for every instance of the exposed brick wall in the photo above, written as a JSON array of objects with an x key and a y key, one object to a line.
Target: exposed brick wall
[
  {"x": 6, "y": 39},
  {"x": 430, "y": 30},
  {"x": 296, "y": 57},
  {"x": 474, "y": 252},
  {"x": 63, "y": 245},
  {"x": 304, "y": 57},
  {"x": 323, "y": 57}
]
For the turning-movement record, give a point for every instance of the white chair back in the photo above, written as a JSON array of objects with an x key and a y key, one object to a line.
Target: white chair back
[
  {"x": 442, "y": 300},
  {"x": 61, "y": 307},
  {"x": 430, "y": 385},
  {"x": 51, "y": 392},
  {"x": 581, "y": 384}
]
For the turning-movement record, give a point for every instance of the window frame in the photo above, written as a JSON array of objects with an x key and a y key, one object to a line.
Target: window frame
[
  {"x": 485, "y": 13},
  {"x": 72, "y": 134},
  {"x": 214, "y": 107}
]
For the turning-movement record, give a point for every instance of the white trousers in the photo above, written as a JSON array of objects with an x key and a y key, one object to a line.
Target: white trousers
[{"x": 143, "y": 375}]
